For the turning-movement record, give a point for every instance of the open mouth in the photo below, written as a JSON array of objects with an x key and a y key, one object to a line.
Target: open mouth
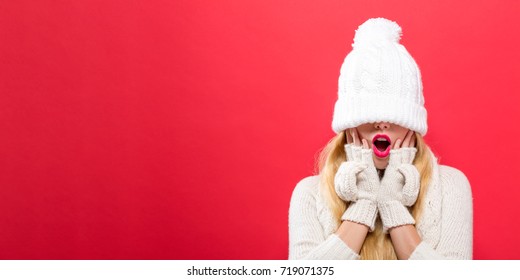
[{"x": 381, "y": 145}]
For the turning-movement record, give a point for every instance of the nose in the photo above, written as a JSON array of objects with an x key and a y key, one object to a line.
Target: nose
[{"x": 382, "y": 125}]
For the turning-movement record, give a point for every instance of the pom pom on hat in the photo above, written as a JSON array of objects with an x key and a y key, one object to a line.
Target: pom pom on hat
[{"x": 377, "y": 31}]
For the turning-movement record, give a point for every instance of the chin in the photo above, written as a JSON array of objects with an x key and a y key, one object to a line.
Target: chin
[{"x": 380, "y": 163}]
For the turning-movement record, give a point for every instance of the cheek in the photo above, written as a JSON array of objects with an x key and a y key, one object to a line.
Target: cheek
[
  {"x": 400, "y": 136},
  {"x": 366, "y": 136}
]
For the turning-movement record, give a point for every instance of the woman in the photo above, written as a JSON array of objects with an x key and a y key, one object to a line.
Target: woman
[{"x": 380, "y": 192}]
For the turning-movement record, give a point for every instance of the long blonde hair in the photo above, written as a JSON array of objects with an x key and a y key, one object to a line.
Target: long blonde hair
[{"x": 377, "y": 245}]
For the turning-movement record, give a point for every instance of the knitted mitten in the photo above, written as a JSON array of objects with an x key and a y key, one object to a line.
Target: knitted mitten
[
  {"x": 357, "y": 181},
  {"x": 399, "y": 188}
]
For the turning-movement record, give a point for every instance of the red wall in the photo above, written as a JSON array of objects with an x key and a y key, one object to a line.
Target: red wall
[{"x": 178, "y": 129}]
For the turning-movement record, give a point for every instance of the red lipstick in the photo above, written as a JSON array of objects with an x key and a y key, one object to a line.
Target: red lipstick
[{"x": 381, "y": 148}]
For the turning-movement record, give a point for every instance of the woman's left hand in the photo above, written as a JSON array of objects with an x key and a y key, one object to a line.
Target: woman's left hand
[
  {"x": 400, "y": 184},
  {"x": 403, "y": 152}
]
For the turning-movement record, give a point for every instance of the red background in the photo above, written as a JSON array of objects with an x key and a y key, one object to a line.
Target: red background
[{"x": 178, "y": 129}]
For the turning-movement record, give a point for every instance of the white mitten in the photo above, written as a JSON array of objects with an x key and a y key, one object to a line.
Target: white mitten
[
  {"x": 357, "y": 181},
  {"x": 399, "y": 189}
]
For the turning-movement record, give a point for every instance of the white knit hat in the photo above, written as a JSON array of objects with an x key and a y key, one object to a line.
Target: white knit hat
[{"x": 379, "y": 81}]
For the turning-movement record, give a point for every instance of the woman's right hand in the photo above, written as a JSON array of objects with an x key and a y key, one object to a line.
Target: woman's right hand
[{"x": 357, "y": 181}]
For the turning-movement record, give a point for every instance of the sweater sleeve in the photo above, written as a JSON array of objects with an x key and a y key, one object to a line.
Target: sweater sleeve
[
  {"x": 306, "y": 238},
  {"x": 456, "y": 240}
]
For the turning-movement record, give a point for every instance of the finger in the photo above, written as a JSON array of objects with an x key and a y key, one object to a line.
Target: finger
[
  {"x": 349, "y": 136},
  {"x": 397, "y": 144},
  {"x": 354, "y": 136},
  {"x": 358, "y": 137},
  {"x": 406, "y": 141},
  {"x": 365, "y": 143},
  {"x": 412, "y": 142}
]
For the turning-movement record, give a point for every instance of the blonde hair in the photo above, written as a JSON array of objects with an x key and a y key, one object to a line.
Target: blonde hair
[{"x": 377, "y": 245}]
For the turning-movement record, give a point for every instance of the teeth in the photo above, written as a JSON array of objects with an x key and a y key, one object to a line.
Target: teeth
[{"x": 381, "y": 139}]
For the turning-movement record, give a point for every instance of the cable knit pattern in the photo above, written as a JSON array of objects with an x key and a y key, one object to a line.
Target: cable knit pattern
[
  {"x": 446, "y": 226},
  {"x": 456, "y": 221}
]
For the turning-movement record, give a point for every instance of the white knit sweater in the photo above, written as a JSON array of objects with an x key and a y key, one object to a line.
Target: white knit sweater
[{"x": 446, "y": 226}]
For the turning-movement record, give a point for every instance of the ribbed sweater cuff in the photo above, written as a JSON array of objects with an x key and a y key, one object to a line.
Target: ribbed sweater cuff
[
  {"x": 394, "y": 213},
  {"x": 362, "y": 212}
]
